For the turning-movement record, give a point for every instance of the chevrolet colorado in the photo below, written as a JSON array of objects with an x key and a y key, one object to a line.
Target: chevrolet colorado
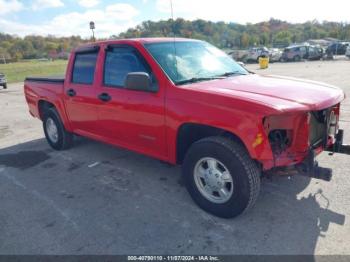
[{"x": 185, "y": 102}]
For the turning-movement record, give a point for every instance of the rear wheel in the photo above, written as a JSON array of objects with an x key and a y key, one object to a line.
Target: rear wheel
[
  {"x": 221, "y": 177},
  {"x": 55, "y": 133}
]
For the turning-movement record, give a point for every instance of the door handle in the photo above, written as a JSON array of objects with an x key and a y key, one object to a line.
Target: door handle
[
  {"x": 71, "y": 92},
  {"x": 104, "y": 97}
]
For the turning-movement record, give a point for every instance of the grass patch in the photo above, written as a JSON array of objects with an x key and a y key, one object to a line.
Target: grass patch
[{"x": 17, "y": 72}]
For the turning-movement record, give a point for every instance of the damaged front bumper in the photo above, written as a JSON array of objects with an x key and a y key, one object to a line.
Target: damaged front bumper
[
  {"x": 309, "y": 166},
  {"x": 297, "y": 139}
]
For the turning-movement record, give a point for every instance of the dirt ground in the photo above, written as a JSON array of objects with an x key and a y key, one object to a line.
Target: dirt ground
[{"x": 98, "y": 199}]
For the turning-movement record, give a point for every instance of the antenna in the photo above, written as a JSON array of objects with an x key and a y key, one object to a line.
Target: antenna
[
  {"x": 172, "y": 13},
  {"x": 172, "y": 18}
]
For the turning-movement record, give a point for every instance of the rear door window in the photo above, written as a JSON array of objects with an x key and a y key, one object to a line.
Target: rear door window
[{"x": 84, "y": 68}]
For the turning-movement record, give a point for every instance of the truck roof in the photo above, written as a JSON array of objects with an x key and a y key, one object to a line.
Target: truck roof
[
  {"x": 157, "y": 39},
  {"x": 145, "y": 40}
]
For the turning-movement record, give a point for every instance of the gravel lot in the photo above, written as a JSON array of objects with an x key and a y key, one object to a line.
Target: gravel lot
[{"x": 98, "y": 199}]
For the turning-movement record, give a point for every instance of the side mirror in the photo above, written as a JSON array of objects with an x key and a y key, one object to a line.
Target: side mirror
[{"x": 140, "y": 81}]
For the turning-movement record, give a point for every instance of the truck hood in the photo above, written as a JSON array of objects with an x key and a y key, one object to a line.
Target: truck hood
[{"x": 281, "y": 93}]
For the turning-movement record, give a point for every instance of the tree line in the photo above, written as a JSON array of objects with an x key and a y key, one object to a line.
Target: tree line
[
  {"x": 14, "y": 48},
  {"x": 224, "y": 35},
  {"x": 228, "y": 35}
]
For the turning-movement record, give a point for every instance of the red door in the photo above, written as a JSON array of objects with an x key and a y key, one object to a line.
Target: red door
[
  {"x": 80, "y": 94},
  {"x": 133, "y": 119}
]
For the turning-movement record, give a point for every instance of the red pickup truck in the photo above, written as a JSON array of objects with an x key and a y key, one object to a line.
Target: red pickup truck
[{"x": 185, "y": 102}]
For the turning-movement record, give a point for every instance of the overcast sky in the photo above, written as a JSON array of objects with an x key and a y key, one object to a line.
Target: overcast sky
[{"x": 68, "y": 17}]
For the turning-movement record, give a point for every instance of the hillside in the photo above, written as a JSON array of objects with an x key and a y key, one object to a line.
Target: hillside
[{"x": 225, "y": 35}]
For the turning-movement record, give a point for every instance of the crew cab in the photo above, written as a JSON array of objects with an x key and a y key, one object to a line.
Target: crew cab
[{"x": 187, "y": 103}]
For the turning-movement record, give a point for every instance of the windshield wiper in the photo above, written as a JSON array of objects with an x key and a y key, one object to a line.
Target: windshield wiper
[
  {"x": 197, "y": 79},
  {"x": 232, "y": 73}
]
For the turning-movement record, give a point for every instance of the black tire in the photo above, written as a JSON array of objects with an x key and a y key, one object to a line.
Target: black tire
[
  {"x": 5, "y": 86},
  {"x": 64, "y": 138},
  {"x": 244, "y": 172}
]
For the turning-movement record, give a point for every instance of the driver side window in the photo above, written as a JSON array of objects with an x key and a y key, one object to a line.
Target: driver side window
[{"x": 119, "y": 62}]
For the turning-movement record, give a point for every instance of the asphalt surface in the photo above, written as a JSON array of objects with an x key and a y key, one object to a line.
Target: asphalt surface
[{"x": 98, "y": 199}]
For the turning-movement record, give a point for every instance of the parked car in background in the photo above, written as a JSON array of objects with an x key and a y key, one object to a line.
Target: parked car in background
[
  {"x": 238, "y": 55},
  {"x": 3, "y": 81},
  {"x": 294, "y": 53},
  {"x": 348, "y": 52},
  {"x": 275, "y": 54},
  {"x": 338, "y": 48},
  {"x": 299, "y": 52},
  {"x": 314, "y": 52},
  {"x": 255, "y": 52}
]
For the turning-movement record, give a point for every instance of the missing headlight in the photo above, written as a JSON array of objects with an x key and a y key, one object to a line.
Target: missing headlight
[{"x": 280, "y": 140}]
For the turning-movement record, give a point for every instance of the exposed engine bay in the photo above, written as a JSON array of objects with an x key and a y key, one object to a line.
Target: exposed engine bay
[{"x": 302, "y": 137}]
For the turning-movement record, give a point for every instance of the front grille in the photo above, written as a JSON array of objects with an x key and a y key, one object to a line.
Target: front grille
[{"x": 319, "y": 124}]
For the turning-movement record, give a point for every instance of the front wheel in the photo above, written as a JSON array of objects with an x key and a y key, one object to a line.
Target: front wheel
[
  {"x": 55, "y": 133},
  {"x": 221, "y": 177},
  {"x": 5, "y": 86}
]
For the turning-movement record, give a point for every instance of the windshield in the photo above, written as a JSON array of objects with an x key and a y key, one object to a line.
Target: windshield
[{"x": 193, "y": 60}]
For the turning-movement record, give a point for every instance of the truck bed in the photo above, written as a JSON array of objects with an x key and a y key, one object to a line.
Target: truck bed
[
  {"x": 36, "y": 88},
  {"x": 46, "y": 79}
]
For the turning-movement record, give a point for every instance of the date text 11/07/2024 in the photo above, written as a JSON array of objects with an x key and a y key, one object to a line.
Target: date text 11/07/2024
[{"x": 173, "y": 258}]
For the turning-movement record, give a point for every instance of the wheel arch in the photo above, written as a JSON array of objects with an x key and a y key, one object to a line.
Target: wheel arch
[
  {"x": 188, "y": 133},
  {"x": 44, "y": 105}
]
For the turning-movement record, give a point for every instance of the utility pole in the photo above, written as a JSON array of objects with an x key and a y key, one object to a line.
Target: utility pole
[{"x": 92, "y": 27}]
